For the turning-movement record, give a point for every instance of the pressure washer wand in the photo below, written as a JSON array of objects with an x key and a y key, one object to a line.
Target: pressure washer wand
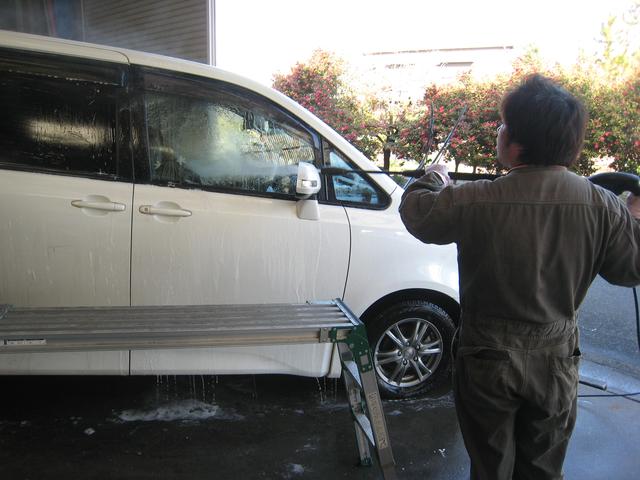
[
  {"x": 447, "y": 140},
  {"x": 444, "y": 146},
  {"x": 426, "y": 148},
  {"x": 410, "y": 173},
  {"x": 343, "y": 171},
  {"x": 418, "y": 172}
]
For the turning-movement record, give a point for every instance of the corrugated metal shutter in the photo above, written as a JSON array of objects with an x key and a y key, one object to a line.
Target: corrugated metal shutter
[{"x": 167, "y": 27}]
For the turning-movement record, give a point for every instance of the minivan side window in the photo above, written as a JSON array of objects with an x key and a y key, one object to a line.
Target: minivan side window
[
  {"x": 220, "y": 137},
  {"x": 57, "y": 118},
  {"x": 353, "y": 188}
]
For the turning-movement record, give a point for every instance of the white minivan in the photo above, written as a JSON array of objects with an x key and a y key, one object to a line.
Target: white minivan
[{"x": 134, "y": 179}]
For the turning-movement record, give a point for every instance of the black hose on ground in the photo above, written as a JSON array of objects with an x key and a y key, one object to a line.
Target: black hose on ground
[
  {"x": 635, "y": 298},
  {"x": 603, "y": 386}
]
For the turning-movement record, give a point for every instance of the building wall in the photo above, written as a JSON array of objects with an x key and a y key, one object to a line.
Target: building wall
[
  {"x": 404, "y": 74},
  {"x": 167, "y": 27},
  {"x": 54, "y": 18}
]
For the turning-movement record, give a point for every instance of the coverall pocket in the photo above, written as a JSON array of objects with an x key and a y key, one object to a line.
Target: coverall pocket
[
  {"x": 483, "y": 373},
  {"x": 562, "y": 384}
]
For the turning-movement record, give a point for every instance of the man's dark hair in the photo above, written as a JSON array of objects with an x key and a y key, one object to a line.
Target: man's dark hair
[{"x": 546, "y": 120}]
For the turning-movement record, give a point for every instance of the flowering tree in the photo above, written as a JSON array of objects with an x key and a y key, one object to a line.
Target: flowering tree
[
  {"x": 319, "y": 86},
  {"x": 473, "y": 142},
  {"x": 370, "y": 123},
  {"x": 613, "y": 130},
  {"x": 626, "y": 126},
  {"x": 393, "y": 126},
  {"x": 609, "y": 86}
]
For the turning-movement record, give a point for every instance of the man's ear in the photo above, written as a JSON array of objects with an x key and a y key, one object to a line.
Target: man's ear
[{"x": 514, "y": 150}]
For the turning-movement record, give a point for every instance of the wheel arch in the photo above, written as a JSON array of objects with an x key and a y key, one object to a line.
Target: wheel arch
[{"x": 442, "y": 300}]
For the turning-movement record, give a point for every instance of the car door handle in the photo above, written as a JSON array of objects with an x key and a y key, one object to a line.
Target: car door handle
[
  {"x": 164, "y": 211},
  {"x": 103, "y": 205}
]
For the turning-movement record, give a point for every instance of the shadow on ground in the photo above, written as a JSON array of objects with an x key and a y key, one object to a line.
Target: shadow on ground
[
  {"x": 207, "y": 427},
  {"x": 256, "y": 427}
]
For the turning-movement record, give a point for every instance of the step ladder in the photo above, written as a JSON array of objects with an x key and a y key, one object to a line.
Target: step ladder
[{"x": 30, "y": 330}]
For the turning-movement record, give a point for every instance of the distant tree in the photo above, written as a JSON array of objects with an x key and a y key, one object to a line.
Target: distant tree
[
  {"x": 619, "y": 117},
  {"x": 609, "y": 85},
  {"x": 394, "y": 127},
  {"x": 473, "y": 142},
  {"x": 613, "y": 104},
  {"x": 319, "y": 85},
  {"x": 619, "y": 55},
  {"x": 617, "y": 112}
]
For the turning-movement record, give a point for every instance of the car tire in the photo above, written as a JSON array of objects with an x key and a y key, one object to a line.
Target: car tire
[{"x": 411, "y": 347}]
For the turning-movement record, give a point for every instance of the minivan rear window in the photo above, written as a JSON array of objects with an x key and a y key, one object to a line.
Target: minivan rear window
[{"x": 57, "y": 123}]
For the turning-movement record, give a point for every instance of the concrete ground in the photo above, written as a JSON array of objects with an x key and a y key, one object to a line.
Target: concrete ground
[{"x": 263, "y": 427}]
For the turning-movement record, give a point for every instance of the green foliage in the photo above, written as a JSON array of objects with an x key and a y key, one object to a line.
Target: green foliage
[
  {"x": 474, "y": 140},
  {"x": 613, "y": 130},
  {"x": 614, "y": 115},
  {"x": 319, "y": 86},
  {"x": 392, "y": 126},
  {"x": 621, "y": 138},
  {"x": 372, "y": 124}
]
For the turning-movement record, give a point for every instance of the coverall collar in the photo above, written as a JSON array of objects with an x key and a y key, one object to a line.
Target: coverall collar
[{"x": 525, "y": 167}]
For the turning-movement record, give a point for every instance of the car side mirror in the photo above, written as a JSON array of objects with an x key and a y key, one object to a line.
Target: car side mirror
[{"x": 308, "y": 182}]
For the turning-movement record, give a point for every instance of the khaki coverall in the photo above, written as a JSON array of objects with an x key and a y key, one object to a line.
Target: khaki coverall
[{"x": 529, "y": 245}]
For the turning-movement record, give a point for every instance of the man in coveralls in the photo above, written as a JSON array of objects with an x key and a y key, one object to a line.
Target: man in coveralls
[{"x": 529, "y": 245}]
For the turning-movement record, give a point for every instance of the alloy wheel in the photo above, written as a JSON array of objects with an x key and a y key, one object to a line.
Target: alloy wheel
[{"x": 408, "y": 352}]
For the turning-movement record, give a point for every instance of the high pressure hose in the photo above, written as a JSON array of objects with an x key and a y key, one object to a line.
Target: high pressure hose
[
  {"x": 619, "y": 182},
  {"x": 635, "y": 298}
]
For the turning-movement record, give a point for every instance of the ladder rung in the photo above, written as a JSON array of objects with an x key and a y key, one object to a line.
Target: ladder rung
[
  {"x": 351, "y": 369},
  {"x": 365, "y": 425}
]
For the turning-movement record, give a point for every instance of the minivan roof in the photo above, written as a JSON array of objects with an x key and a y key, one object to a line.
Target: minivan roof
[{"x": 38, "y": 43}]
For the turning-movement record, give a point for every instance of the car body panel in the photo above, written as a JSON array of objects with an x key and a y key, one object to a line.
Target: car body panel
[
  {"x": 235, "y": 249},
  {"x": 55, "y": 254},
  {"x": 65, "y": 363},
  {"x": 312, "y": 360},
  {"x": 37, "y": 43},
  {"x": 383, "y": 253}
]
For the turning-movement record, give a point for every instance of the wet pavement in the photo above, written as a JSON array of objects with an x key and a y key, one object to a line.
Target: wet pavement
[{"x": 263, "y": 427}]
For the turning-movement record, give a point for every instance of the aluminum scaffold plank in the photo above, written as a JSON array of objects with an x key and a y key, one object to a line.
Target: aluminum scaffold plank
[{"x": 29, "y": 330}]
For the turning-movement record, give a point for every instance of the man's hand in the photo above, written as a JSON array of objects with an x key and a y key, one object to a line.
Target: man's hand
[
  {"x": 442, "y": 174},
  {"x": 633, "y": 204}
]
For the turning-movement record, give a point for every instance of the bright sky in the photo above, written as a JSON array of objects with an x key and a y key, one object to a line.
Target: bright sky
[{"x": 258, "y": 38}]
